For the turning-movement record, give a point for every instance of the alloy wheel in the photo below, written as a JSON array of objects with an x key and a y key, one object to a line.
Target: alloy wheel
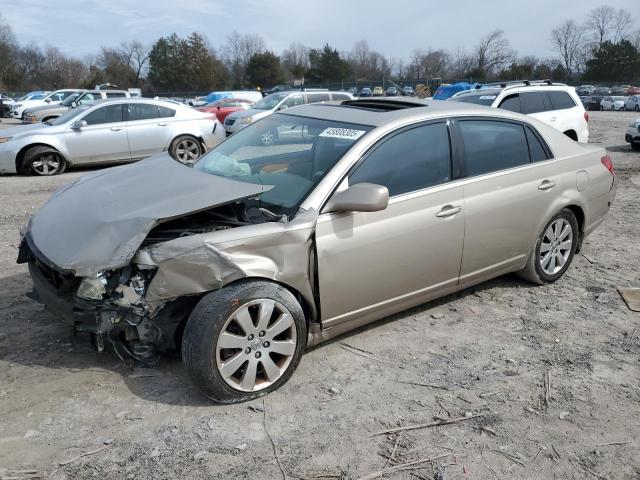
[
  {"x": 555, "y": 248},
  {"x": 256, "y": 345},
  {"x": 187, "y": 151},
  {"x": 45, "y": 165}
]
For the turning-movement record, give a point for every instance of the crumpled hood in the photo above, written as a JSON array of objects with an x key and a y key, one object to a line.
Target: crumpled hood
[{"x": 99, "y": 221}]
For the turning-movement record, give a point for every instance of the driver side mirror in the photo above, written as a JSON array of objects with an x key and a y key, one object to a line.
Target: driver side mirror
[
  {"x": 283, "y": 107},
  {"x": 361, "y": 197},
  {"x": 78, "y": 125},
  {"x": 74, "y": 104},
  {"x": 48, "y": 100}
]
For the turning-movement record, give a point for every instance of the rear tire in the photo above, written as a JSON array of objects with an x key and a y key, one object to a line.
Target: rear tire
[
  {"x": 635, "y": 146},
  {"x": 43, "y": 162},
  {"x": 554, "y": 249},
  {"x": 186, "y": 149},
  {"x": 233, "y": 356}
]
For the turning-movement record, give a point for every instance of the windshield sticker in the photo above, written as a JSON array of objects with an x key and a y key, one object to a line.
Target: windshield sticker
[
  {"x": 346, "y": 133},
  {"x": 487, "y": 97}
]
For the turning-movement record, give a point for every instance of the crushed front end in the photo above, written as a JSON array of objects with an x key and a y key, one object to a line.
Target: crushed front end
[{"x": 110, "y": 307}]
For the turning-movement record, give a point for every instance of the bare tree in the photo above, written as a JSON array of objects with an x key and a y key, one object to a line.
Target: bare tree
[
  {"x": 295, "y": 60},
  {"x": 622, "y": 24},
  {"x": 568, "y": 41},
  {"x": 428, "y": 63},
  {"x": 600, "y": 21},
  {"x": 493, "y": 52},
  {"x": 136, "y": 56},
  {"x": 366, "y": 63},
  {"x": 8, "y": 48},
  {"x": 238, "y": 51},
  {"x": 461, "y": 64}
]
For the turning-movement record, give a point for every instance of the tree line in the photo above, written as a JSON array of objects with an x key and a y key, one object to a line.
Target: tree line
[{"x": 605, "y": 47}]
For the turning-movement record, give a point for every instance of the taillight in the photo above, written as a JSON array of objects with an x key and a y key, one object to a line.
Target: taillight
[
  {"x": 606, "y": 161},
  {"x": 586, "y": 115}
]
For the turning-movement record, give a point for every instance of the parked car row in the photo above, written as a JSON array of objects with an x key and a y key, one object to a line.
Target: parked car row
[{"x": 109, "y": 131}]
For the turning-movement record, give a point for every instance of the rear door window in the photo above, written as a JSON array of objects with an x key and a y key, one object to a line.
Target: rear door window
[
  {"x": 408, "y": 161},
  {"x": 492, "y": 145},
  {"x": 317, "y": 97},
  {"x": 293, "y": 101},
  {"x": 511, "y": 103},
  {"x": 532, "y": 102},
  {"x": 105, "y": 114},
  {"x": 141, "y": 111},
  {"x": 561, "y": 100},
  {"x": 164, "y": 112}
]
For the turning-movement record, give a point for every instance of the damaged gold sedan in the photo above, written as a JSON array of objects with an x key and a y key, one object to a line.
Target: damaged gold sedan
[{"x": 358, "y": 210}]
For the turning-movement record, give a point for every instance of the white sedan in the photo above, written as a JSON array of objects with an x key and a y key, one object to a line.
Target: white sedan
[
  {"x": 633, "y": 134},
  {"x": 612, "y": 103},
  {"x": 109, "y": 131},
  {"x": 632, "y": 103}
]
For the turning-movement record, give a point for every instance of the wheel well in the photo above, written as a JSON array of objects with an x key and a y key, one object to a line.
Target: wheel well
[
  {"x": 309, "y": 310},
  {"x": 24, "y": 150},
  {"x": 579, "y": 213},
  {"x": 572, "y": 135}
]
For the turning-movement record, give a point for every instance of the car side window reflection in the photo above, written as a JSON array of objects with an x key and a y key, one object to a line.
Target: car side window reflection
[
  {"x": 491, "y": 146},
  {"x": 106, "y": 114},
  {"x": 410, "y": 160},
  {"x": 141, "y": 111}
]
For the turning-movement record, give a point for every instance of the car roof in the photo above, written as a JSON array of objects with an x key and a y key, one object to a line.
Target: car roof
[
  {"x": 379, "y": 111},
  {"x": 165, "y": 103}
]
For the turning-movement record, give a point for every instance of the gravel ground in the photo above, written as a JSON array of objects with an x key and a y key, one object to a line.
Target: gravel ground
[{"x": 484, "y": 351}]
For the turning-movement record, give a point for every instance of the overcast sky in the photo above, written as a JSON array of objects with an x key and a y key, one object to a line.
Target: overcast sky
[{"x": 392, "y": 27}]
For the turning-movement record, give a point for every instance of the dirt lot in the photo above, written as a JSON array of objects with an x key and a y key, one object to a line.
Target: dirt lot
[{"x": 481, "y": 352}]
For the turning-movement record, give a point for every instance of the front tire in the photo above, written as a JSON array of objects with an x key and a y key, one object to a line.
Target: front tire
[
  {"x": 635, "y": 146},
  {"x": 243, "y": 341},
  {"x": 43, "y": 162},
  {"x": 186, "y": 149},
  {"x": 554, "y": 249}
]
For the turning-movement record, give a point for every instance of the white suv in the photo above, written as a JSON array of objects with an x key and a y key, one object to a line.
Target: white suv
[
  {"x": 554, "y": 103},
  {"x": 52, "y": 98}
]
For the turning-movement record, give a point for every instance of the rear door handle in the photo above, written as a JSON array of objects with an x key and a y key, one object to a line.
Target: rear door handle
[
  {"x": 546, "y": 185},
  {"x": 553, "y": 119},
  {"x": 116, "y": 129},
  {"x": 448, "y": 211},
  {"x": 162, "y": 124}
]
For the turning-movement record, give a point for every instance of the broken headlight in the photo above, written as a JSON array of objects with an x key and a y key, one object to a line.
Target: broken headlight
[{"x": 93, "y": 288}]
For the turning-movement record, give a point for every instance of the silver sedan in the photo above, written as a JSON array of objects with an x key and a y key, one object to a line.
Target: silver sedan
[
  {"x": 109, "y": 131},
  {"x": 260, "y": 251}
]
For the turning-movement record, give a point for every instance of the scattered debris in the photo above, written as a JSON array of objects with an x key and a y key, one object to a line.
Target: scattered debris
[
  {"x": 430, "y": 385},
  {"x": 426, "y": 425},
  {"x": 403, "y": 466},
  {"x": 547, "y": 390},
  {"x": 437, "y": 315},
  {"x": 364, "y": 353},
  {"x": 631, "y": 297},
  {"x": 256, "y": 408},
  {"x": 564, "y": 415},
  {"x": 202, "y": 454},
  {"x": 613, "y": 443},
  {"x": 85, "y": 454}
]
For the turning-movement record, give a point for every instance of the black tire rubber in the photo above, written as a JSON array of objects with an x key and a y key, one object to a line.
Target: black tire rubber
[
  {"x": 635, "y": 146},
  {"x": 203, "y": 328},
  {"x": 533, "y": 271},
  {"x": 178, "y": 139},
  {"x": 33, "y": 154},
  {"x": 637, "y": 109}
]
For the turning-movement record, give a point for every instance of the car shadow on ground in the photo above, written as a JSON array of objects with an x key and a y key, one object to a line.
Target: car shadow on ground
[
  {"x": 33, "y": 337},
  {"x": 626, "y": 148}
]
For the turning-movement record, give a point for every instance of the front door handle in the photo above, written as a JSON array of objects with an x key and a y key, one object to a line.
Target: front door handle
[
  {"x": 448, "y": 211},
  {"x": 116, "y": 129},
  {"x": 162, "y": 124},
  {"x": 546, "y": 185},
  {"x": 553, "y": 119}
]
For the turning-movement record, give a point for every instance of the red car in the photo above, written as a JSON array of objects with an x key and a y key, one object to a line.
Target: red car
[{"x": 223, "y": 107}]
